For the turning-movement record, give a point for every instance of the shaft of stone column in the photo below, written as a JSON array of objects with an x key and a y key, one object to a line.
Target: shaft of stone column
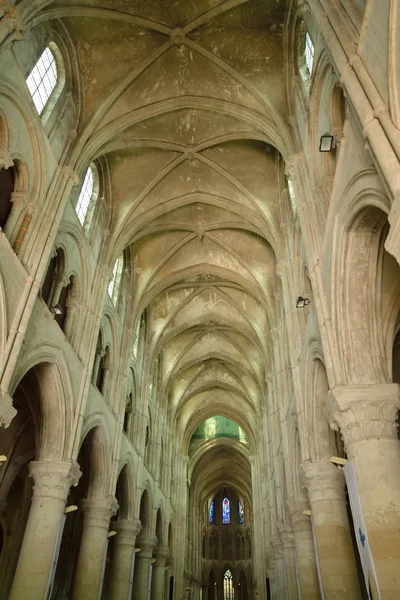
[
  {"x": 124, "y": 549},
  {"x": 304, "y": 548},
  {"x": 97, "y": 515},
  {"x": 287, "y": 537},
  {"x": 158, "y": 575},
  {"x": 52, "y": 483},
  {"x": 366, "y": 415},
  {"x": 325, "y": 485},
  {"x": 143, "y": 562}
]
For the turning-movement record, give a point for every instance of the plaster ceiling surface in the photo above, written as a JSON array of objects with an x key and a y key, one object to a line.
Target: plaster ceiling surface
[{"x": 186, "y": 100}]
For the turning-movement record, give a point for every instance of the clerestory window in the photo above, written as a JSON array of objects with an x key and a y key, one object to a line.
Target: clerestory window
[
  {"x": 42, "y": 80},
  {"x": 87, "y": 197},
  {"x": 309, "y": 52},
  {"x": 115, "y": 283}
]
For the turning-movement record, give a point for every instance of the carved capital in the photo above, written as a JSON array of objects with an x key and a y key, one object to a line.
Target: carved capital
[
  {"x": 362, "y": 412},
  {"x": 127, "y": 531},
  {"x": 5, "y": 159},
  {"x": 7, "y": 411},
  {"x": 324, "y": 481},
  {"x": 53, "y": 479},
  {"x": 98, "y": 511},
  {"x": 300, "y": 521},
  {"x": 10, "y": 21},
  {"x": 71, "y": 175},
  {"x": 147, "y": 545}
]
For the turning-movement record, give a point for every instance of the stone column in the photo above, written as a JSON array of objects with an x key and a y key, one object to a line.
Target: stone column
[
  {"x": 287, "y": 537},
  {"x": 279, "y": 570},
  {"x": 304, "y": 548},
  {"x": 366, "y": 415},
  {"x": 97, "y": 514},
  {"x": 144, "y": 558},
  {"x": 124, "y": 549},
  {"x": 325, "y": 485},
  {"x": 158, "y": 575},
  {"x": 52, "y": 483}
]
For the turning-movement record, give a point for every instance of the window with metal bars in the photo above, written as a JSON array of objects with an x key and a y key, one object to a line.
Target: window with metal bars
[{"x": 43, "y": 79}]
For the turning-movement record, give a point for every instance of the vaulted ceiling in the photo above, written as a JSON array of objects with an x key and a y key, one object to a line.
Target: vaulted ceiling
[{"x": 186, "y": 100}]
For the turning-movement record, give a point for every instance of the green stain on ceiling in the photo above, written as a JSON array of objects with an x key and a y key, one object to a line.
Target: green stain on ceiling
[{"x": 219, "y": 427}]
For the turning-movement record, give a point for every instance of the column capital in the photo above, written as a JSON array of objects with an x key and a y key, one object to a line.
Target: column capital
[
  {"x": 99, "y": 510},
  {"x": 296, "y": 508},
  {"x": 147, "y": 545},
  {"x": 7, "y": 411},
  {"x": 161, "y": 555},
  {"x": 323, "y": 480},
  {"x": 53, "y": 479},
  {"x": 127, "y": 531},
  {"x": 286, "y": 534},
  {"x": 362, "y": 412}
]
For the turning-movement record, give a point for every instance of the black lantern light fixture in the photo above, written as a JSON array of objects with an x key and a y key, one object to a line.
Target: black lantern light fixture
[
  {"x": 327, "y": 143},
  {"x": 302, "y": 302},
  {"x": 56, "y": 310}
]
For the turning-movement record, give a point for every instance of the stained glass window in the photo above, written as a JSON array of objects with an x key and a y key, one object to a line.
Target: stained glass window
[
  {"x": 309, "y": 53},
  {"x": 211, "y": 512},
  {"x": 42, "y": 79},
  {"x": 226, "y": 511},
  {"x": 228, "y": 585},
  {"x": 240, "y": 512}
]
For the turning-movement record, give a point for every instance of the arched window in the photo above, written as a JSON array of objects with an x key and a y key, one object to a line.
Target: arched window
[
  {"x": 128, "y": 415},
  {"x": 240, "y": 512},
  {"x": 309, "y": 53},
  {"x": 87, "y": 197},
  {"x": 226, "y": 511},
  {"x": 211, "y": 512},
  {"x": 43, "y": 79},
  {"x": 228, "y": 585},
  {"x": 115, "y": 283}
]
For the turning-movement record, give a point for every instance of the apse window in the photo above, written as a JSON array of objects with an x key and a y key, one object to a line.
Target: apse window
[
  {"x": 309, "y": 52},
  {"x": 226, "y": 511},
  {"x": 240, "y": 513},
  {"x": 115, "y": 283},
  {"x": 228, "y": 585},
  {"x": 43, "y": 79},
  {"x": 211, "y": 513}
]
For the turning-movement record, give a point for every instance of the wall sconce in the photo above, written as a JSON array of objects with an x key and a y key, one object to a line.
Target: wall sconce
[
  {"x": 302, "y": 302},
  {"x": 327, "y": 143},
  {"x": 56, "y": 310}
]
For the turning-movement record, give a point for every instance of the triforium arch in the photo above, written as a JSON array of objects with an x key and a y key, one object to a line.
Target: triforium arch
[{"x": 199, "y": 300}]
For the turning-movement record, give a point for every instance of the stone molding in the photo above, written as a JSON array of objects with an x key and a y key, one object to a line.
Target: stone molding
[
  {"x": 53, "y": 479},
  {"x": 324, "y": 482},
  {"x": 98, "y": 511},
  {"x": 286, "y": 534},
  {"x": 7, "y": 410},
  {"x": 362, "y": 412},
  {"x": 161, "y": 555}
]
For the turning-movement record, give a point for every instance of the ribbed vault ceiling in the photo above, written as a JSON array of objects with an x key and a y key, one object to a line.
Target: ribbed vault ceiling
[{"x": 186, "y": 101}]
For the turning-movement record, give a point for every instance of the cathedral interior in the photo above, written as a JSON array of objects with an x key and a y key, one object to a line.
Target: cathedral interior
[{"x": 199, "y": 299}]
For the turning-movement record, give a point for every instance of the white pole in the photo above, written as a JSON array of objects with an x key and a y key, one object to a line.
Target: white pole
[{"x": 132, "y": 573}]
